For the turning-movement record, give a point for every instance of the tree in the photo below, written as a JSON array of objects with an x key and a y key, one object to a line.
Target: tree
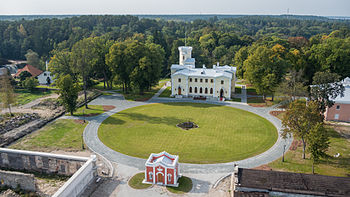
[
  {"x": 30, "y": 83},
  {"x": 7, "y": 95},
  {"x": 24, "y": 75},
  {"x": 240, "y": 57},
  {"x": 83, "y": 60},
  {"x": 68, "y": 91},
  {"x": 61, "y": 64},
  {"x": 33, "y": 58},
  {"x": 318, "y": 143},
  {"x": 327, "y": 86},
  {"x": 293, "y": 85},
  {"x": 265, "y": 69},
  {"x": 299, "y": 119}
]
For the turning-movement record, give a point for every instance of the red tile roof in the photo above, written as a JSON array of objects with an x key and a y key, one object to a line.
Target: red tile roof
[{"x": 31, "y": 69}]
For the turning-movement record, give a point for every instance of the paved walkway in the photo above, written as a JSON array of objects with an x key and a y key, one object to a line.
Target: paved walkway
[{"x": 92, "y": 141}]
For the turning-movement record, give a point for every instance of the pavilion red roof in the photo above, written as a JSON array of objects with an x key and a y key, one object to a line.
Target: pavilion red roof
[{"x": 31, "y": 69}]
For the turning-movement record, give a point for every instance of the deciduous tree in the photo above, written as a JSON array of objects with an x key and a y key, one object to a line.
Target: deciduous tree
[
  {"x": 6, "y": 92},
  {"x": 299, "y": 119},
  {"x": 68, "y": 91}
]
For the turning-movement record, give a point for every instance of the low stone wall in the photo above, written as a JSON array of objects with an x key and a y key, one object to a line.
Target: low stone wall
[
  {"x": 79, "y": 181},
  {"x": 82, "y": 169},
  {"x": 40, "y": 162},
  {"x": 17, "y": 179}
]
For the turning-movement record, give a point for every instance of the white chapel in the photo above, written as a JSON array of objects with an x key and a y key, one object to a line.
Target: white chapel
[{"x": 189, "y": 81}]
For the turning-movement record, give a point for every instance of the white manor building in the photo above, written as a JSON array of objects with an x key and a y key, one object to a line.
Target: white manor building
[{"x": 188, "y": 81}]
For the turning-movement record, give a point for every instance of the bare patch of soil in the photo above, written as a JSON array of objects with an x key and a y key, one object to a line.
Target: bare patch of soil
[
  {"x": 296, "y": 144},
  {"x": 79, "y": 121},
  {"x": 108, "y": 107},
  {"x": 263, "y": 167}
]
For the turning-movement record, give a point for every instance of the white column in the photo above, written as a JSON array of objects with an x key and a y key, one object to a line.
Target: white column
[
  {"x": 154, "y": 175},
  {"x": 166, "y": 175},
  {"x": 214, "y": 88},
  {"x": 229, "y": 90}
]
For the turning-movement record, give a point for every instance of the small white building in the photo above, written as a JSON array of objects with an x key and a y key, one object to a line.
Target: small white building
[
  {"x": 46, "y": 77},
  {"x": 188, "y": 81}
]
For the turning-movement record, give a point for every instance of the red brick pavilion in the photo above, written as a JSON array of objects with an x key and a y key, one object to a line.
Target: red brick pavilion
[{"x": 162, "y": 169}]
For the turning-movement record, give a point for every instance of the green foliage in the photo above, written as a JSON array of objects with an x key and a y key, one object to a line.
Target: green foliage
[
  {"x": 24, "y": 75},
  {"x": 61, "y": 64},
  {"x": 265, "y": 69},
  {"x": 30, "y": 83},
  {"x": 7, "y": 96},
  {"x": 300, "y": 119},
  {"x": 318, "y": 143},
  {"x": 33, "y": 59},
  {"x": 327, "y": 86},
  {"x": 68, "y": 91}
]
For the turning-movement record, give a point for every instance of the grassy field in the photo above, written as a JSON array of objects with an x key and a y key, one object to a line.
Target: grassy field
[
  {"x": 329, "y": 166},
  {"x": 136, "y": 181},
  {"x": 60, "y": 135},
  {"x": 185, "y": 185},
  {"x": 25, "y": 96},
  {"x": 166, "y": 92},
  {"x": 135, "y": 96},
  {"x": 225, "y": 134},
  {"x": 236, "y": 99},
  {"x": 93, "y": 110}
]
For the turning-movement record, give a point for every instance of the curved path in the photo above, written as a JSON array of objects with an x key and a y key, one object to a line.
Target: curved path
[{"x": 93, "y": 142}]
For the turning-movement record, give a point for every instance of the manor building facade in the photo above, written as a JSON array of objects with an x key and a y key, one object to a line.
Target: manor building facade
[{"x": 189, "y": 81}]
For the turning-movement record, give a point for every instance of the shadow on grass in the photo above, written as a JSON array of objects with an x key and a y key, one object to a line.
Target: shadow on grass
[
  {"x": 113, "y": 121},
  {"x": 153, "y": 120},
  {"x": 185, "y": 185},
  {"x": 190, "y": 104}
]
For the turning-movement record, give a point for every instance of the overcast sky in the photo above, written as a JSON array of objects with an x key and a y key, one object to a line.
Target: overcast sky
[{"x": 301, "y": 7}]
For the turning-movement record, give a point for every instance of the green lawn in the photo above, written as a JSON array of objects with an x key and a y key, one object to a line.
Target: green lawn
[
  {"x": 93, "y": 110},
  {"x": 59, "y": 135},
  {"x": 166, "y": 92},
  {"x": 330, "y": 166},
  {"x": 236, "y": 99},
  {"x": 100, "y": 86},
  {"x": 136, "y": 181},
  {"x": 185, "y": 185},
  {"x": 25, "y": 96},
  {"x": 225, "y": 134}
]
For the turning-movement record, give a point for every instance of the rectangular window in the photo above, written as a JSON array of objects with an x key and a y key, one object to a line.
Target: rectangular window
[
  {"x": 206, "y": 80},
  {"x": 201, "y": 80},
  {"x": 222, "y": 81},
  {"x": 190, "y": 79},
  {"x": 336, "y": 116},
  {"x": 195, "y": 79},
  {"x": 338, "y": 107},
  {"x": 211, "y": 80},
  {"x": 179, "y": 80}
]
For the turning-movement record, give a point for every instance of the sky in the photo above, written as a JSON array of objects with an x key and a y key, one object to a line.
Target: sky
[{"x": 261, "y": 7}]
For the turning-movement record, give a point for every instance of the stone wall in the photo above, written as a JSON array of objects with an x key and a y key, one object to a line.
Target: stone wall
[
  {"x": 17, "y": 179},
  {"x": 39, "y": 162}
]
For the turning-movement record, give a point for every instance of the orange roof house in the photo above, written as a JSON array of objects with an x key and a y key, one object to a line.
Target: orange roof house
[{"x": 31, "y": 69}]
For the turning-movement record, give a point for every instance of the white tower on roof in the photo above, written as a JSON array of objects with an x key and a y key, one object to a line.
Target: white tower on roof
[{"x": 185, "y": 53}]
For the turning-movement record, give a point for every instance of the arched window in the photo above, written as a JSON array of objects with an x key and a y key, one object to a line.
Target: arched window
[
  {"x": 195, "y": 90},
  {"x": 211, "y": 90},
  {"x": 206, "y": 90},
  {"x": 200, "y": 91},
  {"x": 150, "y": 174},
  {"x": 190, "y": 89},
  {"x": 169, "y": 177}
]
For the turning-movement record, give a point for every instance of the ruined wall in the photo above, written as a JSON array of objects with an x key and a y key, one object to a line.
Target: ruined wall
[
  {"x": 39, "y": 162},
  {"x": 17, "y": 179}
]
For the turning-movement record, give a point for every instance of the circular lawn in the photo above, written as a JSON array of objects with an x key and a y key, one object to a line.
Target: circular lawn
[{"x": 224, "y": 134}]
